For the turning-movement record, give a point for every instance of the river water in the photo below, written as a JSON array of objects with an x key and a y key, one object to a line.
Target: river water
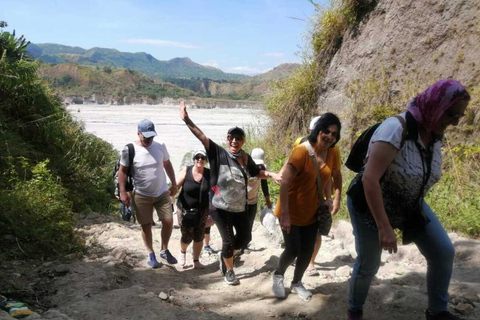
[{"x": 118, "y": 124}]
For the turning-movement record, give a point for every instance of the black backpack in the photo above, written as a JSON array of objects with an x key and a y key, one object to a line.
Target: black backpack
[
  {"x": 356, "y": 158},
  {"x": 129, "y": 186}
]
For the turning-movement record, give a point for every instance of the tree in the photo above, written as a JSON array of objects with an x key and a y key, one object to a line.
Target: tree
[{"x": 3, "y": 24}]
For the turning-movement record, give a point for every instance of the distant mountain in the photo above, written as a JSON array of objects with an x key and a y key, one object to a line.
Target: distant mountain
[
  {"x": 281, "y": 71},
  {"x": 140, "y": 61}
]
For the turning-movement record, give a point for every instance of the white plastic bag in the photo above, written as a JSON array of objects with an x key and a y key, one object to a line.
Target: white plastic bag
[{"x": 268, "y": 220}]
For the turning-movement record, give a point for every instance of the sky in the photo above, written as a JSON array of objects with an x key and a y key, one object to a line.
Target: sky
[{"x": 239, "y": 36}]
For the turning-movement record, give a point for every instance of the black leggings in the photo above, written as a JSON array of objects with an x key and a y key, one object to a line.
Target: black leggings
[
  {"x": 251, "y": 213},
  {"x": 299, "y": 243},
  {"x": 225, "y": 222}
]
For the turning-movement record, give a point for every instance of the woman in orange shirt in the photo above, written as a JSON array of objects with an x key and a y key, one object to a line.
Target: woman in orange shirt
[{"x": 299, "y": 201}]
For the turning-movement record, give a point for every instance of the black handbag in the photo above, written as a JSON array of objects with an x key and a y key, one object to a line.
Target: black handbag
[
  {"x": 322, "y": 215},
  {"x": 192, "y": 218}
]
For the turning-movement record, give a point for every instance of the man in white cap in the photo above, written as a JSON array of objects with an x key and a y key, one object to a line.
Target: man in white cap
[{"x": 151, "y": 190}]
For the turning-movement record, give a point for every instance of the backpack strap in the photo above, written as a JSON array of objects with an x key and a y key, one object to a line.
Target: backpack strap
[
  {"x": 311, "y": 153},
  {"x": 131, "y": 155}
]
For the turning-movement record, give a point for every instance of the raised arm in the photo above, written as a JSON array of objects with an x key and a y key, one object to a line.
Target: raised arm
[
  {"x": 381, "y": 155},
  {"x": 195, "y": 130}
]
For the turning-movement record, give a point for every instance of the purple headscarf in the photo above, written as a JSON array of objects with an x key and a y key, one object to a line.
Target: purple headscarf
[{"x": 429, "y": 106}]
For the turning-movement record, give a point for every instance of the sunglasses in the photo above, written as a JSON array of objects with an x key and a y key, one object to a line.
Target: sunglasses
[
  {"x": 198, "y": 158},
  {"x": 453, "y": 115},
  {"x": 327, "y": 132},
  {"x": 234, "y": 137}
]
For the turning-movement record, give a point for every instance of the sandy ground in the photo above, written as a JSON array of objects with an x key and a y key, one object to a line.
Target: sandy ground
[{"x": 112, "y": 281}]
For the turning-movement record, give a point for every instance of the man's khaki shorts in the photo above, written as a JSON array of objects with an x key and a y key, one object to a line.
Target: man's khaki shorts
[{"x": 143, "y": 207}]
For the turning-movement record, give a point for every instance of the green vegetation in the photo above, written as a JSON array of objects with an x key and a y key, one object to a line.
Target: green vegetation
[
  {"x": 455, "y": 199},
  {"x": 107, "y": 84},
  {"x": 50, "y": 167}
]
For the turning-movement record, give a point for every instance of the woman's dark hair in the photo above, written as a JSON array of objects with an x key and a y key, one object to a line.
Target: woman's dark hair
[{"x": 325, "y": 121}]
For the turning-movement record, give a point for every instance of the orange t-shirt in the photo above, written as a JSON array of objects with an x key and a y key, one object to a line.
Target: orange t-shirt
[{"x": 302, "y": 193}]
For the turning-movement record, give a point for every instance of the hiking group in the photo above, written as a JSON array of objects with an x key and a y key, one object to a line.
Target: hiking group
[{"x": 397, "y": 162}]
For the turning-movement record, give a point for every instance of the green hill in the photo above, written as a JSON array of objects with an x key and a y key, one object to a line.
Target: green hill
[
  {"x": 140, "y": 61},
  {"x": 106, "y": 85}
]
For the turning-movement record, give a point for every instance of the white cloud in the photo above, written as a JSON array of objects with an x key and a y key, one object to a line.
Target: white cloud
[
  {"x": 275, "y": 54},
  {"x": 162, "y": 43},
  {"x": 211, "y": 63},
  {"x": 247, "y": 70}
]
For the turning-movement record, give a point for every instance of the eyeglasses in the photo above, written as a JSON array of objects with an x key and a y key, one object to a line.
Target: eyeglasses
[
  {"x": 198, "y": 158},
  {"x": 234, "y": 137},
  {"x": 453, "y": 115}
]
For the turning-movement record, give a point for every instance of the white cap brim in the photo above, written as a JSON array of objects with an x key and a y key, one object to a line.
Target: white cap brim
[
  {"x": 258, "y": 161},
  {"x": 149, "y": 134}
]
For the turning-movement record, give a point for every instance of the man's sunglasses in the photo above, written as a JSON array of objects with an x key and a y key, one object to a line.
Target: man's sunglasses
[
  {"x": 198, "y": 158},
  {"x": 234, "y": 137}
]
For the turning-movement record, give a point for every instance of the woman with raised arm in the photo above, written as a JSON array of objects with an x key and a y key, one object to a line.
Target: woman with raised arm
[
  {"x": 404, "y": 162},
  {"x": 230, "y": 169}
]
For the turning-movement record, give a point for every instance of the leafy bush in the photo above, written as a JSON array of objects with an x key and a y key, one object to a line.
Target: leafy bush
[{"x": 37, "y": 213}]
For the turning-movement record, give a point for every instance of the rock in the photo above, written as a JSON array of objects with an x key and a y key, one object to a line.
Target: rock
[
  {"x": 61, "y": 270},
  {"x": 16, "y": 275},
  {"x": 163, "y": 296},
  {"x": 343, "y": 271},
  {"x": 32, "y": 316},
  {"x": 119, "y": 253},
  {"x": 302, "y": 314},
  {"x": 47, "y": 264},
  {"x": 463, "y": 308},
  {"x": 5, "y": 316},
  {"x": 471, "y": 296}
]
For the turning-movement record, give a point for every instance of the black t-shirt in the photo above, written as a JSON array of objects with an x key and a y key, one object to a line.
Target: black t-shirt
[
  {"x": 228, "y": 179},
  {"x": 190, "y": 195}
]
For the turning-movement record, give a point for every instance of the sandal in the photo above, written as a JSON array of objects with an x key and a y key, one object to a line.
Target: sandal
[{"x": 312, "y": 272}]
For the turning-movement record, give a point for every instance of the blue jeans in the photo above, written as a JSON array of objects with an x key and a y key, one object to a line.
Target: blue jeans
[{"x": 433, "y": 243}]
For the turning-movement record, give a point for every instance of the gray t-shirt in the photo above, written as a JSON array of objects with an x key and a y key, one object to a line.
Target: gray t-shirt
[{"x": 148, "y": 171}]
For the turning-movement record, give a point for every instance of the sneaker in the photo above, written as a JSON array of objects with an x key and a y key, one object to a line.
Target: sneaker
[
  {"x": 183, "y": 258},
  {"x": 152, "y": 261},
  {"x": 299, "y": 289},
  {"x": 167, "y": 256},
  {"x": 221, "y": 264},
  {"x": 208, "y": 249},
  {"x": 231, "y": 278},
  {"x": 444, "y": 315},
  {"x": 355, "y": 315},
  {"x": 277, "y": 286}
]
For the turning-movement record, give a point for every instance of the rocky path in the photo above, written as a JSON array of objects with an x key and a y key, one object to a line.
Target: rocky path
[{"x": 112, "y": 281}]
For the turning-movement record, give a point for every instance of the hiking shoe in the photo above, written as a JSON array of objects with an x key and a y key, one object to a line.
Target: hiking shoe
[
  {"x": 444, "y": 315},
  {"x": 152, "y": 261},
  {"x": 167, "y": 256},
  {"x": 221, "y": 264},
  {"x": 355, "y": 315},
  {"x": 208, "y": 249},
  {"x": 299, "y": 289},
  {"x": 277, "y": 286},
  {"x": 231, "y": 278}
]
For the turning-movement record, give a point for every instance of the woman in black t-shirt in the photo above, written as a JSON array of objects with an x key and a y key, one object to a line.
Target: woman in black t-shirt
[
  {"x": 195, "y": 183},
  {"x": 230, "y": 170}
]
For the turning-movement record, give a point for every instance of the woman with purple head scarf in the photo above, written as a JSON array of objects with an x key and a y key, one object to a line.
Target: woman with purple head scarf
[{"x": 404, "y": 162}]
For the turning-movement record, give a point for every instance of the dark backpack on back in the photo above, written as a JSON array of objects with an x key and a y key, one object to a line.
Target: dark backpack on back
[
  {"x": 356, "y": 158},
  {"x": 129, "y": 186}
]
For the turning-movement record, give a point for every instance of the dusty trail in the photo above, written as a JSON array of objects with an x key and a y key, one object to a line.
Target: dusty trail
[{"x": 113, "y": 282}]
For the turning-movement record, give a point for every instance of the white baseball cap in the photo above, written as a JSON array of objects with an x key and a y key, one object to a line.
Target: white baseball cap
[
  {"x": 258, "y": 155},
  {"x": 313, "y": 122}
]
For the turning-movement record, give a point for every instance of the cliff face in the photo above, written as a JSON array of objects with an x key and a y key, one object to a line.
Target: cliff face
[{"x": 410, "y": 40}]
